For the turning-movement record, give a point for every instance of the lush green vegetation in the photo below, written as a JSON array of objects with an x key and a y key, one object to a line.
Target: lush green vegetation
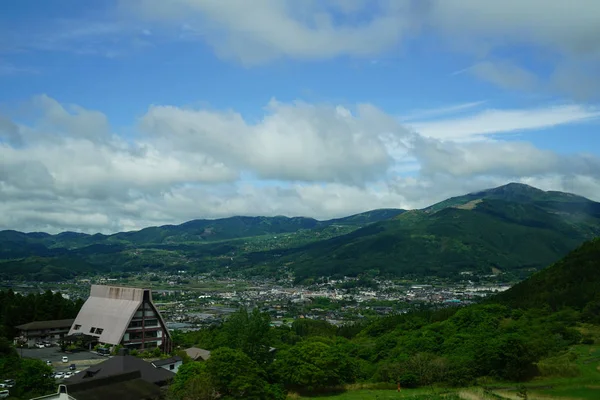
[
  {"x": 490, "y": 345},
  {"x": 17, "y": 309},
  {"x": 201, "y": 245},
  {"x": 33, "y": 377}
]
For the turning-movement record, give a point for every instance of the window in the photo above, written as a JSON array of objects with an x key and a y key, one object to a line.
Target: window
[
  {"x": 92, "y": 329},
  {"x": 99, "y": 331},
  {"x": 77, "y": 327},
  {"x": 172, "y": 366}
]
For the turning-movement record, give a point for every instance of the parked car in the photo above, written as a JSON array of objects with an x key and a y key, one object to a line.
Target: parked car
[
  {"x": 39, "y": 345},
  {"x": 59, "y": 375},
  {"x": 9, "y": 383},
  {"x": 4, "y": 394},
  {"x": 65, "y": 359},
  {"x": 48, "y": 362}
]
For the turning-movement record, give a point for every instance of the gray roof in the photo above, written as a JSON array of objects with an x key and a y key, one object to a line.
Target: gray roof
[
  {"x": 36, "y": 325},
  {"x": 166, "y": 361},
  {"x": 110, "y": 308},
  {"x": 126, "y": 386},
  {"x": 195, "y": 353},
  {"x": 121, "y": 364}
]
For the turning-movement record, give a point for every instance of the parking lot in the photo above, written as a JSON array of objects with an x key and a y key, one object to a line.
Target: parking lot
[{"x": 82, "y": 359}]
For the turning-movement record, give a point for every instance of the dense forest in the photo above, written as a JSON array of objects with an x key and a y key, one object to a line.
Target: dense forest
[
  {"x": 504, "y": 339},
  {"x": 17, "y": 309}
]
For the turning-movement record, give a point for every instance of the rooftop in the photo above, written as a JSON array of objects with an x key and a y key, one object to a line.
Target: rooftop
[
  {"x": 123, "y": 364},
  {"x": 36, "y": 325}
]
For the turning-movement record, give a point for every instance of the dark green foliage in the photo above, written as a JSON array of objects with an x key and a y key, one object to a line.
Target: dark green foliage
[
  {"x": 44, "y": 257},
  {"x": 571, "y": 282},
  {"x": 314, "y": 365},
  {"x": 16, "y": 309}
]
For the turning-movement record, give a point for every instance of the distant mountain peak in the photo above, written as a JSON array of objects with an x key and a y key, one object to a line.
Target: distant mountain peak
[{"x": 513, "y": 187}]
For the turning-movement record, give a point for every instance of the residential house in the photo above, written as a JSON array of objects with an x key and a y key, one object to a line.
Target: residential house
[
  {"x": 170, "y": 364},
  {"x": 197, "y": 354}
]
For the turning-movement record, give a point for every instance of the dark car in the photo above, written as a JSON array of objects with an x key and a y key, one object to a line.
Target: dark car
[{"x": 72, "y": 367}]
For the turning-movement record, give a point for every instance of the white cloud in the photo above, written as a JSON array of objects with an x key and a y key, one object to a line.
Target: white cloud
[
  {"x": 561, "y": 36},
  {"x": 505, "y": 74},
  {"x": 495, "y": 121},
  {"x": 66, "y": 169},
  {"x": 293, "y": 141}
]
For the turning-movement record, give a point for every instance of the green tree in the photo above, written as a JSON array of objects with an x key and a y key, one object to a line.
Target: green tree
[
  {"x": 236, "y": 376},
  {"x": 313, "y": 365},
  {"x": 34, "y": 379}
]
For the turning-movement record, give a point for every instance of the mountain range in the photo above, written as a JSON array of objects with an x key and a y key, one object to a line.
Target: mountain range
[{"x": 514, "y": 228}]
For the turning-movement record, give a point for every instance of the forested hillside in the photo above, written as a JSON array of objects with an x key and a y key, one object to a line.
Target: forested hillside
[
  {"x": 571, "y": 282},
  {"x": 516, "y": 229}
]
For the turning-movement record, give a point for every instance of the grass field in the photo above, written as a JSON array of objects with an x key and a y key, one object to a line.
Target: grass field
[{"x": 584, "y": 386}]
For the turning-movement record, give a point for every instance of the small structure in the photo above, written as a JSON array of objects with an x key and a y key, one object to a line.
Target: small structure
[
  {"x": 197, "y": 354},
  {"x": 122, "y": 316},
  {"x": 122, "y": 364},
  {"x": 40, "y": 331},
  {"x": 170, "y": 364}
]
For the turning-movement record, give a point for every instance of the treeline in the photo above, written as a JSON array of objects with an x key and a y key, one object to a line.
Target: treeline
[{"x": 17, "y": 309}]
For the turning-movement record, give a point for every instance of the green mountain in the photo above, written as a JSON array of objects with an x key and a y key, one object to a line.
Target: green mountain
[
  {"x": 42, "y": 256},
  {"x": 514, "y": 228},
  {"x": 574, "y": 281}
]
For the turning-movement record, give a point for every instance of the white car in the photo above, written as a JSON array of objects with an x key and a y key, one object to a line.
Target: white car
[
  {"x": 4, "y": 394},
  {"x": 40, "y": 345},
  {"x": 65, "y": 359},
  {"x": 59, "y": 375}
]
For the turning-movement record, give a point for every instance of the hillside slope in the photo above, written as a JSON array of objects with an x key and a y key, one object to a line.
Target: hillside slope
[
  {"x": 512, "y": 228},
  {"x": 573, "y": 281},
  {"x": 198, "y": 243}
]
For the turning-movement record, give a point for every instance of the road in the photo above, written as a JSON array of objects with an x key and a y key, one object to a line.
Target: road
[{"x": 82, "y": 359}]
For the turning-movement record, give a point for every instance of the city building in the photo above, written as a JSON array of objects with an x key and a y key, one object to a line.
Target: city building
[
  {"x": 122, "y": 316},
  {"x": 36, "y": 332}
]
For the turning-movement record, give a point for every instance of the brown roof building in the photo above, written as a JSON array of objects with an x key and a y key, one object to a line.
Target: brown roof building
[{"x": 122, "y": 316}]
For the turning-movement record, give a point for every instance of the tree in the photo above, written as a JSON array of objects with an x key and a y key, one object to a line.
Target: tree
[
  {"x": 236, "y": 376},
  {"x": 313, "y": 365},
  {"x": 34, "y": 379}
]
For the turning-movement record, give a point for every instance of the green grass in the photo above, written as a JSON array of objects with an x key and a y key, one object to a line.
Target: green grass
[
  {"x": 585, "y": 386},
  {"x": 416, "y": 394}
]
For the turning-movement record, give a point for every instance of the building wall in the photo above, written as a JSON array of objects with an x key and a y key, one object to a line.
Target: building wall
[
  {"x": 174, "y": 367},
  {"x": 146, "y": 329},
  {"x": 39, "y": 335}
]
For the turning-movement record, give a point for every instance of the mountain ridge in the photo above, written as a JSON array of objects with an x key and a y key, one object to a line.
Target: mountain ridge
[{"x": 515, "y": 228}]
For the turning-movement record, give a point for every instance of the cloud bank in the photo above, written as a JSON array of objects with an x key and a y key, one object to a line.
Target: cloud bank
[{"x": 64, "y": 167}]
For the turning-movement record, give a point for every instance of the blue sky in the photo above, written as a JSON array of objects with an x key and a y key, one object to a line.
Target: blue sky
[{"x": 121, "y": 114}]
